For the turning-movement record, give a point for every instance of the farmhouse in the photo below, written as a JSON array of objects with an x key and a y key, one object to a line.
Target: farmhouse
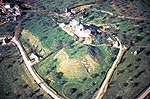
[{"x": 76, "y": 28}]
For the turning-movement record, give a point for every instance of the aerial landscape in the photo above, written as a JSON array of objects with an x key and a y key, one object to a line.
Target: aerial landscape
[{"x": 74, "y": 49}]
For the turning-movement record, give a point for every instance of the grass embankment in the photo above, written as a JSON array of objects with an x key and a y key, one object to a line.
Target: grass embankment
[{"x": 43, "y": 36}]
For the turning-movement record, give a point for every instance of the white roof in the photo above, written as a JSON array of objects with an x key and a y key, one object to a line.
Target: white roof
[
  {"x": 74, "y": 23},
  {"x": 7, "y": 6}
]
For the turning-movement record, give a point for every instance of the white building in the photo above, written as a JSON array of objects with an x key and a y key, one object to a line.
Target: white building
[
  {"x": 35, "y": 57},
  {"x": 79, "y": 29}
]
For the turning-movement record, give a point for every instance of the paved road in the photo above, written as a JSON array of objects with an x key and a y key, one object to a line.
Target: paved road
[{"x": 28, "y": 63}]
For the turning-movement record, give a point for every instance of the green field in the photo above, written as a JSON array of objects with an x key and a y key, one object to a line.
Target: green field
[
  {"x": 73, "y": 69},
  {"x": 63, "y": 67}
]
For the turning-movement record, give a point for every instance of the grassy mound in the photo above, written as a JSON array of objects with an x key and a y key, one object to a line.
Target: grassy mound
[
  {"x": 72, "y": 68},
  {"x": 81, "y": 63},
  {"x": 75, "y": 63},
  {"x": 78, "y": 62}
]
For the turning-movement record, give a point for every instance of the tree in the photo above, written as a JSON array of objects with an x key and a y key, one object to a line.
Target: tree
[
  {"x": 56, "y": 44},
  {"x": 59, "y": 75}
]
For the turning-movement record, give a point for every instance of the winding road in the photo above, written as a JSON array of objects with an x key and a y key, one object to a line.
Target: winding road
[
  {"x": 38, "y": 80},
  {"x": 101, "y": 91},
  {"x": 15, "y": 41}
]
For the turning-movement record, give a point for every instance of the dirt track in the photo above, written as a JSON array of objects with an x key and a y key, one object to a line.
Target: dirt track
[{"x": 101, "y": 91}]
